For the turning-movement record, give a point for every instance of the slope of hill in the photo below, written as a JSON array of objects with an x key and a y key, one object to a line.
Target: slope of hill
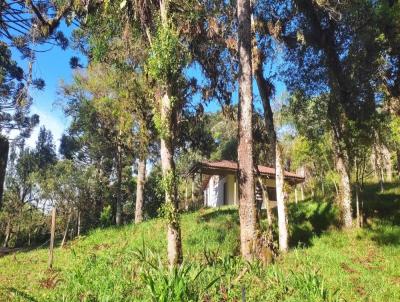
[{"x": 128, "y": 263}]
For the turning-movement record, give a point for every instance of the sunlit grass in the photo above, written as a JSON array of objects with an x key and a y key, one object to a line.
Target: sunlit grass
[{"x": 325, "y": 264}]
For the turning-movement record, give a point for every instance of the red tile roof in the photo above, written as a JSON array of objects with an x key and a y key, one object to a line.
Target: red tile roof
[{"x": 208, "y": 167}]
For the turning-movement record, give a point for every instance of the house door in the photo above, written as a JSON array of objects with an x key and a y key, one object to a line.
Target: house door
[{"x": 225, "y": 194}]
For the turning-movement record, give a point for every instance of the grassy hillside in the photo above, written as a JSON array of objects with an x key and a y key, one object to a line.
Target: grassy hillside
[{"x": 128, "y": 263}]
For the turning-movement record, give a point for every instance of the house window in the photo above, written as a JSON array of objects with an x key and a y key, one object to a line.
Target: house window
[{"x": 271, "y": 193}]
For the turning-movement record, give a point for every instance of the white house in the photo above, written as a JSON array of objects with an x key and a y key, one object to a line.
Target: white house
[{"x": 219, "y": 182}]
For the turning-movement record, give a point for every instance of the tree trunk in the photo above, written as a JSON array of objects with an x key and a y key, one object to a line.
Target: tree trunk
[
  {"x": 247, "y": 205},
  {"x": 4, "y": 146},
  {"x": 265, "y": 89},
  {"x": 192, "y": 192},
  {"x": 118, "y": 213},
  {"x": 169, "y": 177},
  {"x": 295, "y": 194},
  {"x": 8, "y": 233},
  {"x": 79, "y": 224},
  {"x": 266, "y": 202},
  {"x": 345, "y": 192},
  {"x": 357, "y": 207},
  {"x": 66, "y": 229},
  {"x": 186, "y": 195},
  {"x": 398, "y": 162},
  {"x": 141, "y": 178},
  {"x": 387, "y": 162},
  {"x": 280, "y": 200},
  {"x": 52, "y": 235}
]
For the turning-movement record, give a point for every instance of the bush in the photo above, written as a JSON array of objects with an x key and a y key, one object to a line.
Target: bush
[{"x": 106, "y": 216}]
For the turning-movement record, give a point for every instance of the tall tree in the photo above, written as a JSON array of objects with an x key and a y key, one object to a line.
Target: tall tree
[
  {"x": 328, "y": 47},
  {"x": 247, "y": 205}
]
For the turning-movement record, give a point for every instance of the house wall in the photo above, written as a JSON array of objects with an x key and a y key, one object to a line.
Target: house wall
[
  {"x": 214, "y": 192},
  {"x": 231, "y": 189}
]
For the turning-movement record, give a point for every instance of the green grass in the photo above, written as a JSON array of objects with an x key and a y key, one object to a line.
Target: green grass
[{"x": 128, "y": 263}]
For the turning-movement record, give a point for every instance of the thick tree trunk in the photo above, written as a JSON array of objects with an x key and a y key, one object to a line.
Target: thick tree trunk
[
  {"x": 280, "y": 200},
  {"x": 169, "y": 177},
  {"x": 66, "y": 229},
  {"x": 247, "y": 205},
  {"x": 4, "y": 146},
  {"x": 141, "y": 178},
  {"x": 345, "y": 192}
]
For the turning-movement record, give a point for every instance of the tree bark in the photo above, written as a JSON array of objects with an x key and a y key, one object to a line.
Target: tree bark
[
  {"x": 340, "y": 98},
  {"x": 280, "y": 201},
  {"x": 266, "y": 201},
  {"x": 4, "y": 146},
  {"x": 192, "y": 192},
  {"x": 387, "y": 162},
  {"x": 247, "y": 205},
  {"x": 168, "y": 120},
  {"x": 66, "y": 229},
  {"x": 398, "y": 161},
  {"x": 265, "y": 90},
  {"x": 79, "y": 224},
  {"x": 118, "y": 214},
  {"x": 169, "y": 177},
  {"x": 345, "y": 192},
  {"x": 141, "y": 179},
  {"x": 52, "y": 235},
  {"x": 8, "y": 233},
  {"x": 358, "y": 216},
  {"x": 186, "y": 195}
]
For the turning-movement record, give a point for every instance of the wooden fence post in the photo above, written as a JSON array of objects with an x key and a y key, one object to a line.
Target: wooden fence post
[{"x": 53, "y": 230}]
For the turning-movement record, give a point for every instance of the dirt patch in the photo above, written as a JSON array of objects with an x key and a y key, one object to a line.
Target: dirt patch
[
  {"x": 369, "y": 260},
  {"x": 348, "y": 269},
  {"x": 396, "y": 280},
  {"x": 51, "y": 280},
  {"x": 101, "y": 247}
]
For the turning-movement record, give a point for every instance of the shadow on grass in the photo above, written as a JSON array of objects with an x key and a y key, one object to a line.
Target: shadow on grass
[
  {"x": 218, "y": 213},
  {"x": 386, "y": 236},
  {"x": 383, "y": 205},
  {"x": 20, "y": 294},
  {"x": 309, "y": 219}
]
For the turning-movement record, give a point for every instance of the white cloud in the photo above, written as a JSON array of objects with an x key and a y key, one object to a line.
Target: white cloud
[{"x": 51, "y": 122}]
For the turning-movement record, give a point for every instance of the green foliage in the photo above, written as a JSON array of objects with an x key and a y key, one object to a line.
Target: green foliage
[
  {"x": 106, "y": 216},
  {"x": 168, "y": 56},
  {"x": 164, "y": 284},
  {"x": 107, "y": 264},
  {"x": 395, "y": 130}
]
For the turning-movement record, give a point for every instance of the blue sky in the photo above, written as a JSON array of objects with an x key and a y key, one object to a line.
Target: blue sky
[{"x": 53, "y": 67}]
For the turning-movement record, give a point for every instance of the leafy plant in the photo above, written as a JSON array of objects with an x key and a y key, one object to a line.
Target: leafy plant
[
  {"x": 177, "y": 284},
  {"x": 106, "y": 216}
]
